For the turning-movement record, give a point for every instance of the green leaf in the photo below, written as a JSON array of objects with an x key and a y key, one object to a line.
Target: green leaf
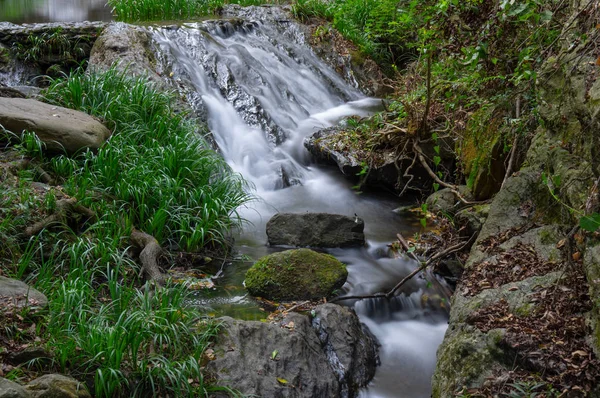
[
  {"x": 274, "y": 354},
  {"x": 411, "y": 249},
  {"x": 436, "y": 186},
  {"x": 590, "y": 223},
  {"x": 437, "y": 149},
  {"x": 437, "y": 160},
  {"x": 282, "y": 381},
  {"x": 423, "y": 222}
]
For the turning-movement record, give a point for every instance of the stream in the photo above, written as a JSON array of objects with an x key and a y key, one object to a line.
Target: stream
[{"x": 263, "y": 91}]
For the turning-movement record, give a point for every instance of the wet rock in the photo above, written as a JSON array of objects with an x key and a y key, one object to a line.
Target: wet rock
[
  {"x": 14, "y": 292},
  {"x": 331, "y": 357},
  {"x": 61, "y": 129},
  {"x": 348, "y": 345},
  {"x": 300, "y": 274},
  {"x": 10, "y": 389},
  {"x": 447, "y": 202},
  {"x": 57, "y": 386},
  {"x": 315, "y": 230}
]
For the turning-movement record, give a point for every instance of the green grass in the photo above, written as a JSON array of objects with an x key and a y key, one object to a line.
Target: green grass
[
  {"x": 157, "y": 170},
  {"x": 156, "y": 173},
  {"x": 172, "y": 10}
]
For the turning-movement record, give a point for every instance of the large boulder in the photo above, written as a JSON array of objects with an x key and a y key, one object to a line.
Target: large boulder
[
  {"x": 60, "y": 129},
  {"x": 315, "y": 230},
  {"x": 57, "y": 386},
  {"x": 300, "y": 274},
  {"x": 10, "y": 389},
  {"x": 446, "y": 201},
  {"x": 330, "y": 355},
  {"x": 17, "y": 293}
]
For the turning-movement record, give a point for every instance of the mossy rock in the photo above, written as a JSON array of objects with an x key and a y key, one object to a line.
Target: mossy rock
[{"x": 300, "y": 274}]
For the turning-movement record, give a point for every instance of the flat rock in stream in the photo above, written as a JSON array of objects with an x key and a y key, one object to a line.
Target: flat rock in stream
[
  {"x": 60, "y": 129},
  {"x": 315, "y": 230},
  {"x": 331, "y": 355}
]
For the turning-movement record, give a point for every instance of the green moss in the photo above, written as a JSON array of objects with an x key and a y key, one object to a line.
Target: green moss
[{"x": 295, "y": 275}]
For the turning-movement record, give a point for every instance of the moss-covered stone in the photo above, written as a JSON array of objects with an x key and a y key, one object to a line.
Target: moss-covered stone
[{"x": 295, "y": 275}]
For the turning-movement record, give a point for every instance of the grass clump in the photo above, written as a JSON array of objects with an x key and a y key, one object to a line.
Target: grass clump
[
  {"x": 159, "y": 172},
  {"x": 157, "y": 10}
]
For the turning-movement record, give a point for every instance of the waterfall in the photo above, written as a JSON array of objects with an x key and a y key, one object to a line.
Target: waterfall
[{"x": 262, "y": 91}]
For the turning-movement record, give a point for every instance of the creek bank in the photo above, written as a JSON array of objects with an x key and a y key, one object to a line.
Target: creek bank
[
  {"x": 315, "y": 230},
  {"x": 526, "y": 309},
  {"x": 327, "y": 354}
]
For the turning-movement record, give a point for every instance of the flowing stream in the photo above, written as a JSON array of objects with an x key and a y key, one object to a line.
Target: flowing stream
[{"x": 263, "y": 91}]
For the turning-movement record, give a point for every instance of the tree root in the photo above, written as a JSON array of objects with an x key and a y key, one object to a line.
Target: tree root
[
  {"x": 65, "y": 208},
  {"x": 150, "y": 252}
]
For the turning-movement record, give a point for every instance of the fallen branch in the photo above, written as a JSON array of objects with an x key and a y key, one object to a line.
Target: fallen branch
[
  {"x": 150, "y": 252},
  {"x": 424, "y": 264}
]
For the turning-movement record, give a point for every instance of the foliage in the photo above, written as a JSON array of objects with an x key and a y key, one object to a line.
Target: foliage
[
  {"x": 161, "y": 10},
  {"x": 160, "y": 174},
  {"x": 51, "y": 43}
]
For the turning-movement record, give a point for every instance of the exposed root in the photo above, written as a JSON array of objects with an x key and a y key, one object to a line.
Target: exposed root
[
  {"x": 150, "y": 252},
  {"x": 65, "y": 208}
]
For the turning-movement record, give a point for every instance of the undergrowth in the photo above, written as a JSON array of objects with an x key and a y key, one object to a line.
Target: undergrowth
[
  {"x": 157, "y": 10},
  {"x": 157, "y": 174}
]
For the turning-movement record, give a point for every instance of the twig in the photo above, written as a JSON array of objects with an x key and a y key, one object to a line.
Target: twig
[
  {"x": 424, "y": 264},
  {"x": 296, "y": 306},
  {"x": 513, "y": 150}
]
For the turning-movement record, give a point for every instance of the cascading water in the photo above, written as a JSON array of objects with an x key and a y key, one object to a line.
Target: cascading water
[{"x": 262, "y": 91}]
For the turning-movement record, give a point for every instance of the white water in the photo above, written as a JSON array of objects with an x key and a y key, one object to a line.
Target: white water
[{"x": 259, "y": 85}]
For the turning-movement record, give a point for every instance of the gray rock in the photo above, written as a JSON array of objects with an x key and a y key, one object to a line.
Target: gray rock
[
  {"x": 446, "y": 201},
  {"x": 127, "y": 47},
  {"x": 10, "y": 389},
  {"x": 14, "y": 292},
  {"x": 61, "y": 129},
  {"x": 57, "y": 386},
  {"x": 470, "y": 220},
  {"x": 299, "y": 274},
  {"x": 296, "y": 358},
  {"x": 315, "y": 230},
  {"x": 28, "y": 354}
]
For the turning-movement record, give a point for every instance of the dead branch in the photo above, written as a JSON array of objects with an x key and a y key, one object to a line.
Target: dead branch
[
  {"x": 65, "y": 208},
  {"x": 150, "y": 252},
  {"x": 513, "y": 150},
  {"x": 424, "y": 264}
]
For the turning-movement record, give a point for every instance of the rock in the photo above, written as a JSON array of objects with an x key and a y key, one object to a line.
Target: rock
[
  {"x": 28, "y": 354},
  {"x": 126, "y": 47},
  {"x": 61, "y": 129},
  {"x": 378, "y": 168},
  {"x": 315, "y": 230},
  {"x": 332, "y": 357},
  {"x": 470, "y": 220},
  {"x": 14, "y": 292},
  {"x": 57, "y": 386},
  {"x": 446, "y": 201},
  {"x": 299, "y": 274},
  {"x": 10, "y": 389}
]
